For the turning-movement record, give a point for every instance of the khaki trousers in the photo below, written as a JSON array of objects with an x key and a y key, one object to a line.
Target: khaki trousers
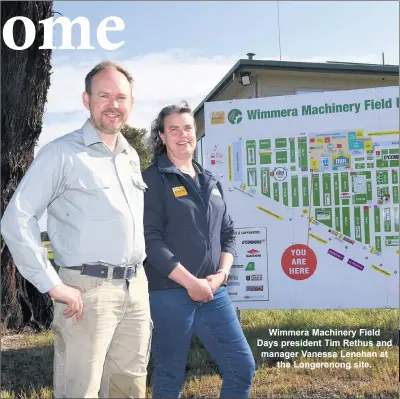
[{"x": 106, "y": 353}]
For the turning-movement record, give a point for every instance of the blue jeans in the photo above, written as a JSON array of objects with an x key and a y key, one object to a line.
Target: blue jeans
[{"x": 176, "y": 316}]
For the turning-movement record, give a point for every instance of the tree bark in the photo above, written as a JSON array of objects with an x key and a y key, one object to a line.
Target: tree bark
[{"x": 25, "y": 80}]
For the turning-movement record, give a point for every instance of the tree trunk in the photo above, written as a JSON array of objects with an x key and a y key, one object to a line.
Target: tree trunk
[{"x": 25, "y": 80}]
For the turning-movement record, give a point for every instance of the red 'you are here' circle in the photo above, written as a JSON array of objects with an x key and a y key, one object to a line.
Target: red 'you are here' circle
[{"x": 299, "y": 262}]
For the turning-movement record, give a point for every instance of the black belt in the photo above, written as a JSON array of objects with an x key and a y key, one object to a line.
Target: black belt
[{"x": 101, "y": 270}]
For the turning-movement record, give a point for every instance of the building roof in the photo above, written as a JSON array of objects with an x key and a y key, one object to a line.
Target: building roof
[{"x": 328, "y": 67}]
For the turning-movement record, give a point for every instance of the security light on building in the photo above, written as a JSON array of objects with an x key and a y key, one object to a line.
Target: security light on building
[{"x": 245, "y": 78}]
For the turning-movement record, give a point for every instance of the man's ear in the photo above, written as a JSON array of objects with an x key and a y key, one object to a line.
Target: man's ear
[
  {"x": 133, "y": 102},
  {"x": 85, "y": 99}
]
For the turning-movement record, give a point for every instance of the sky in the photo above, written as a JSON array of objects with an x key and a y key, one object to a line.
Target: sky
[{"x": 181, "y": 50}]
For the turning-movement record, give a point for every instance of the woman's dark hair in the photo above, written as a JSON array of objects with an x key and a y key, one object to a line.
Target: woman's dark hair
[{"x": 157, "y": 127}]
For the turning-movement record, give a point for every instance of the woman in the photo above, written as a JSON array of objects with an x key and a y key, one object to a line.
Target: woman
[{"x": 189, "y": 245}]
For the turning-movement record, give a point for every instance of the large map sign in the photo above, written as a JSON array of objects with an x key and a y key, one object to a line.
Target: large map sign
[{"x": 312, "y": 184}]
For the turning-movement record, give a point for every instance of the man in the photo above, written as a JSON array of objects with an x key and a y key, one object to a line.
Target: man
[{"x": 90, "y": 183}]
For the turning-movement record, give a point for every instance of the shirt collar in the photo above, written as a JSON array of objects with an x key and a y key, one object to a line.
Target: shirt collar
[
  {"x": 122, "y": 144},
  {"x": 165, "y": 164},
  {"x": 90, "y": 137}
]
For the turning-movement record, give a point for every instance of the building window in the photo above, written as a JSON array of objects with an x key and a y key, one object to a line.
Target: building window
[{"x": 198, "y": 155}]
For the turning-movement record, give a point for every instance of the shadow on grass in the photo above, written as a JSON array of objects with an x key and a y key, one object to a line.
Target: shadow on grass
[
  {"x": 27, "y": 371},
  {"x": 199, "y": 363},
  {"x": 30, "y": 370}
]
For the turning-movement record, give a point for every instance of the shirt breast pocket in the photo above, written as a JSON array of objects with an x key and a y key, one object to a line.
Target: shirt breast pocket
[
  {"x": 92, "y": 196},
  {"x": 93, "y": 183}
]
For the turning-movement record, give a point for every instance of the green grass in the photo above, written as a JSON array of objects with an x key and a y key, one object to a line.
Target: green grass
[{"x": 27, "y": 360}]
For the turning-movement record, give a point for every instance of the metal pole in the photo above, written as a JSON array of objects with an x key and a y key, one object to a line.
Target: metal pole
[
  {"x": 279, "y": 33},
  {"x": 238, "y": 313}
]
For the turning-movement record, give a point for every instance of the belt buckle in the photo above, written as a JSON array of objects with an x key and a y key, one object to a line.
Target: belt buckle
[{"x": 106, "y": 269}]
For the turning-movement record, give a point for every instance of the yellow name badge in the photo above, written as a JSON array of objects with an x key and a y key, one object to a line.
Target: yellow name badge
[{"x": 179, "y": 191}]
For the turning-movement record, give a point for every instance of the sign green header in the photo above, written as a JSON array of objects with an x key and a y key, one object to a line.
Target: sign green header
[{"x": 323, "y": 109}]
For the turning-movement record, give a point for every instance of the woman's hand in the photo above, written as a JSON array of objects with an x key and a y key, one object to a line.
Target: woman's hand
[
  {"x": 200, "y": 290},
  {"x": 215, "y": 280}
]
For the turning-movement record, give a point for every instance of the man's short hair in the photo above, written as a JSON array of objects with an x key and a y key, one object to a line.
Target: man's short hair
[{"x": 104, "y": 66}]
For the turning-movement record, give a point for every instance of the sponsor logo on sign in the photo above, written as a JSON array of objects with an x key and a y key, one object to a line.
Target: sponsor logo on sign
[
  {"x": 254, "y": 277},
  {"x": 250, "y": 267},
  {"x": 390, "y": 157},
  {"x": 252, "y": 241},
  {"x": 237, "y": 266},
  {"x": 253, "y": 253},
  {"x": 254, "y": 288},
  {"x": 217, "y": 158},
  {"x": 218, "y": 118},
  {"x": 235, "y": 116},
  {"x": 233, "y": 284},
  {"x": 231, "y": 277}
]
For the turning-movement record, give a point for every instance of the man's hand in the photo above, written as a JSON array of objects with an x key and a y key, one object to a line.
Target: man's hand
[
  {"x": 215, "y": 280},
  {"x": 70, "y": 295},
  {"x": 200, "y": 290}
]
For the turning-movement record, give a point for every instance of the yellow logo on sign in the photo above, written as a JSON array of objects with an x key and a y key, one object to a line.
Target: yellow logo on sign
[
  {"x": 218, "y": 118},
  {"x": 314, "y": 164},
  {"x": 179, "y": 191},
  {"x": 359, "y": 134},
  {"x": 368, "y": 145}
]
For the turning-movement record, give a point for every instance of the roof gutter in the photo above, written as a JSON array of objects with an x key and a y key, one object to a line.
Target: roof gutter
[
  {"x": 224, "y": 82},
  {"x": 360, "y": 69}
]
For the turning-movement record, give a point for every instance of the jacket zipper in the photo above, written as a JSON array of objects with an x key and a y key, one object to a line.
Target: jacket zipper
[{"x": 204, "y": 205}]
